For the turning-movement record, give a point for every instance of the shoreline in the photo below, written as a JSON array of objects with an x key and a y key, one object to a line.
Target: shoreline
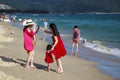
[
  {"x": 74, "y": 68},
  {"x": 100, "y": 46}
]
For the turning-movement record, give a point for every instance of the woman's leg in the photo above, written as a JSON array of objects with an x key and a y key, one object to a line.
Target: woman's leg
[
  {"x": 31, "y": 61},
  {"x": 28, "y": 60},
  {"x": 77, "y": 45},
  {"x": 73, "y": 48},
  {"x": 59, "y": 66}
]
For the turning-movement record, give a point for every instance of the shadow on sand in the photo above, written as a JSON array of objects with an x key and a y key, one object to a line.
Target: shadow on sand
[
  {"x": 23, "y": 62},
  {"x": 38, "y": 66}
]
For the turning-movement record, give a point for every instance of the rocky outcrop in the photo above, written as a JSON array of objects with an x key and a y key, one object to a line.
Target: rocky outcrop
[{"x": 5, "y": 7}]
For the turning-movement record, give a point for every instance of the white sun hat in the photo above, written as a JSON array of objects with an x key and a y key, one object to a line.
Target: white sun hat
[{"x": 28, "y": 22}]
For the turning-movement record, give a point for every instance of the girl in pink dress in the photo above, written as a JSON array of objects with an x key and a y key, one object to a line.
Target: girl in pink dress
[{"x": 29, "y": 42}]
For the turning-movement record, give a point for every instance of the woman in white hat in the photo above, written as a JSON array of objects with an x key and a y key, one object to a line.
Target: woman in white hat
[{"x": 29, "y": 33}]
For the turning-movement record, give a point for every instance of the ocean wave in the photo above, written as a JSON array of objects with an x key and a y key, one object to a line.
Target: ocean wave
[
  {"x": 35, "y": 14},
  {"x": 65, "y": 35},
  {"x": 115, "y": 41},
  {"x": 97, "y": 46}
]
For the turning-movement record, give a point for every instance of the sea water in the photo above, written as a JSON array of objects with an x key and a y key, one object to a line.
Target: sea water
[{"x": 101, "y": 30}]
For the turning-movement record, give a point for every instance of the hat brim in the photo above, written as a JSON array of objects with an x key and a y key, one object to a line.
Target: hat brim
[{"x": 27, "y": 24}]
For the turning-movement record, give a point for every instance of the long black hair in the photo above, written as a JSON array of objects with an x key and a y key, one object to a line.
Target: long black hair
[
  {"x": 25, "y": 27},
  {"x": 75, "y": 26},
  {"x": 54, "y": 29}
]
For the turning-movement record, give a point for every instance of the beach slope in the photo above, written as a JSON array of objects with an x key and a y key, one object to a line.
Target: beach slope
[{"x": 13, "y": 60}]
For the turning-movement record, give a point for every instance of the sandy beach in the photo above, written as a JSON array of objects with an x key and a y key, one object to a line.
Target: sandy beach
[{"x": 13, "y": 59}]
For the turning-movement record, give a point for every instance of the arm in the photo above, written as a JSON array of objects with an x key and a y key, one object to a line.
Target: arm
[
  {"x": 79, "y": 34},
  {"x": 30, "y": 33},
  {"x": 49, "y": 32},
  {"x": 37, "y": 30},
  {"x": 72, "y": 34},
  {"x": 46, "y": 31},
  {"x": 34, "y": 27},
  {"x": 56, "y": 42}
]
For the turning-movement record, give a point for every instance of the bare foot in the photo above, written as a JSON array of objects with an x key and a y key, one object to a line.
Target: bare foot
[
  {"x": 33, "y": 67},
  {"x": 60, "y": 72},
  {"x": 76, "y": 55},
  {"x": 48, "y": 70},
  {"x": 27, "y": 66},
  {"x": 73, "y": 54}
]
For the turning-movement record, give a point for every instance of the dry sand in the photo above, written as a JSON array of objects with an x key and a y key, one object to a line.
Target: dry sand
[
  {"x": 4, "y": 76},
  {"x": 13, "y": 55}
]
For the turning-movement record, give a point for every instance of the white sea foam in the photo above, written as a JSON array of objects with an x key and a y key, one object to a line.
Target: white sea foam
[
  {"x": 97, "y": 46},
  {"x": 65, "y": 35},
  {"x": 51, "y": 19}
]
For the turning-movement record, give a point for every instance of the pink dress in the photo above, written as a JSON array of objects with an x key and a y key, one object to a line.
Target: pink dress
[{"x": 28, "y": 40}]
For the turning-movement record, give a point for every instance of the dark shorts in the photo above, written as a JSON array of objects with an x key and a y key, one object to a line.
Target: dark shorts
[{"x": 75, "y": 41}]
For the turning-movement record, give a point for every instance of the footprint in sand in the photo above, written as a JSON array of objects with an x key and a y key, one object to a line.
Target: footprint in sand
[
  {"x": 4, "y": 38},
  {"x": 4, "y": 76},
  {"x": 1, "y": 46}
]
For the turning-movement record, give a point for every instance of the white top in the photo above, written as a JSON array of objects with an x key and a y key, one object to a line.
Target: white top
[{"x": 45, "y": 25}]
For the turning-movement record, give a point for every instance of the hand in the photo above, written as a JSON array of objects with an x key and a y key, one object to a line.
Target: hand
[
  {"x": 48, "y": 51},
  {"x": 42, "y": 29},
  {"x": 35, "y": 25},
  {"x": 52, "y": 48}
]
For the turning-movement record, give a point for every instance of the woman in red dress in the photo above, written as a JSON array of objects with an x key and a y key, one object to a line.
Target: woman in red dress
[{"x": 58, "y": 49}]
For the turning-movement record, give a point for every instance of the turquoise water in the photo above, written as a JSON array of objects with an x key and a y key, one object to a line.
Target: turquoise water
[
  {"x": 103, "y": 28},
  {"x": 95, "y": 27}
]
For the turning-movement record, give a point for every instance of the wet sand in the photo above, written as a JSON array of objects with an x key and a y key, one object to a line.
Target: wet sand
[{"x": 14, "y": 56}]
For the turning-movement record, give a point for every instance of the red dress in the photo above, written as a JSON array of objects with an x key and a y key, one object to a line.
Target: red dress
[
  {"x": 48, "y": 58},
  {"x": 59, "y": 50}
]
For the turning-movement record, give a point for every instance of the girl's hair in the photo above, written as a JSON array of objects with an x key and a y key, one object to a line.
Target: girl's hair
[
  {"x": 75, "y": 26},
  {"x": 54, "y": 29},
  {"x": 25, "y": 27},
  {"x": 49, "y": 47}
]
